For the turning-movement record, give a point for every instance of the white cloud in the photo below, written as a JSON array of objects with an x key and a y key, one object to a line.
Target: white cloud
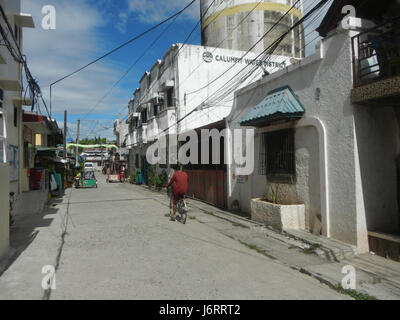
[
  {"x": 151, "y": 11},
  {"x": 54, "y": 53},
  {"x": 122, "y": 22}
]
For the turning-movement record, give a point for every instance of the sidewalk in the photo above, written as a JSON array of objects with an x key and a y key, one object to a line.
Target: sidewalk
[
  {"x": 316, "y": 256},
  {"x": 28, "y": 215}
]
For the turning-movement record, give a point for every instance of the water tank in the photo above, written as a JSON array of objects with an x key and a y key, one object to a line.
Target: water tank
[{"x": 240, "y": 24}]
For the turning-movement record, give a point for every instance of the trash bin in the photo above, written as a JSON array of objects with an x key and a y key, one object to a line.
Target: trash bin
[{"x": 139, "y": 177}]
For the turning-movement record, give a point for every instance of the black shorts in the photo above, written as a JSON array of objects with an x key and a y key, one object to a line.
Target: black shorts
[{"x": 178, "y": 197}]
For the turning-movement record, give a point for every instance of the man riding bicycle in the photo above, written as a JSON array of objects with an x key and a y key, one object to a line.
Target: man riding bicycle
[{"x": 180, "y": 180}]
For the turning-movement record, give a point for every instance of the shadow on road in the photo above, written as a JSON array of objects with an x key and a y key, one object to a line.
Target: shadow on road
[{"x": 25, "y": 228}]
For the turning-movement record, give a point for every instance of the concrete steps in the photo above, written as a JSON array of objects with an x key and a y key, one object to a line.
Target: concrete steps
[{"x": 330, "y": 249}]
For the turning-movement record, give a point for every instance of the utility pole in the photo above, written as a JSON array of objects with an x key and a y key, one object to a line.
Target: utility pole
[
  {"x": 65, "y": 136},
  {"x": 77, "y": 142}
]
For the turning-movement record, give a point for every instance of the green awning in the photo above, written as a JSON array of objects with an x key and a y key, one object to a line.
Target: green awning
[{"x": 279, "y": 104}]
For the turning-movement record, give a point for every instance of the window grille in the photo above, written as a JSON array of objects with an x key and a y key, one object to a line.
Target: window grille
[
  {"x": 15, "y": 116},
  {"x": 277, "y": 156},
  {"x": 1, "y": 97},
  {"x": 170, "y": 98},
  {"x": 3, "y": 136},
  {"x": 262, "y": 170}
]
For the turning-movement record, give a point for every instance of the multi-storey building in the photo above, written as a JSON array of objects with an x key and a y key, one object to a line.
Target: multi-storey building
[
  {"x": 121, "y": 132},
  {"x": 327, "y": 143},
  {"x": 192, "y": 87},
  {"x": 11, "y": 101}
]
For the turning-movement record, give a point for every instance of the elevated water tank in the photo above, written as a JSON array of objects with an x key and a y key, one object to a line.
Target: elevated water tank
[{"x": 240, "y": 24}]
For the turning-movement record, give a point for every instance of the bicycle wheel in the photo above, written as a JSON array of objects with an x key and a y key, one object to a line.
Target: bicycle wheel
[{"x": 182, "y": 211}]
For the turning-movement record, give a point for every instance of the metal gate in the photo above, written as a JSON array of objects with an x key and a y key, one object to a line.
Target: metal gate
[{"x": 208, "y": 186}]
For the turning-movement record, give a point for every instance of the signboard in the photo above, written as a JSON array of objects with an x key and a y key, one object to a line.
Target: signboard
[{"x": 274, "y": 62}]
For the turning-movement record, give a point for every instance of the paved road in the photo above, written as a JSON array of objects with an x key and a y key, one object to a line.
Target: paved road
[{"x": 114, "y": 242}]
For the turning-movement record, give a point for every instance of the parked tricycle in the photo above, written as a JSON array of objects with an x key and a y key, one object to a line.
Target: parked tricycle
[
  {"x": 120, "y": 177},
  {"x": 87, "y": 180}
]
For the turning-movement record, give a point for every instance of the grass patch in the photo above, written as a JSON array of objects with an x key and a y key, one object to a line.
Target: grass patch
[
  {"x": 255, "y": 248},
  {"x": 311, "y": 249},
  {"x": 192, "y": 218},
  {"x": 353, "y": 293},
  {"x": 208, "y": 212},
  {"x": 235, "y": 224}
]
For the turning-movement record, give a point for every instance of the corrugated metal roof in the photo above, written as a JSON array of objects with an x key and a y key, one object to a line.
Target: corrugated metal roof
[{"x": 279, "y": 103}]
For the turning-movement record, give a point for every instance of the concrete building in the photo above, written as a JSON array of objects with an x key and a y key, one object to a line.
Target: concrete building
[
  {"x": 11, "y": 101},
  {"x": 96, "y": 156},
  {"x": 192, "y": 87},
  {"x": 333, "y": 142},
  {"x": 242, "y": 24},
  {"x": 38, "y": 132},
  {"x": 121, "y": 131}
]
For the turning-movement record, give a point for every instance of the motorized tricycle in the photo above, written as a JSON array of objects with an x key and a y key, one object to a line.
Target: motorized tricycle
[{"x": 88, "y": 180}]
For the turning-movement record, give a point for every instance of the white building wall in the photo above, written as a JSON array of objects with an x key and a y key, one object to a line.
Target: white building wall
[
  {"x": 361, "y": 144},
  {"x": 195, "y": 73},
  {"x": 205, "y": 84},
  {"x": 10, "y": 82},
  {"x": 242, "y": 25},
  {"x": 10, "y": 79},
  {"x": 4, "y": 213}
]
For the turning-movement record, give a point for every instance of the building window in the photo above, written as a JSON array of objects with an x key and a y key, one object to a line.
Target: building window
[
  {"x": 16, "y": 33},
  {"x": 277, "y": 156},
  {"x": 170, "y": 98},
  {"x": 144, "y": 116},
  {"x": 1, "y": 97},
  {"x": 136, "y": 160},
  {"x": 3, "y": 150},
  {"x": 15, "y": 116}
]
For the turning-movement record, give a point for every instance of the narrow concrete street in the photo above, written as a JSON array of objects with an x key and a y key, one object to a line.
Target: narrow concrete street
[{"x": 114, "y": 242}]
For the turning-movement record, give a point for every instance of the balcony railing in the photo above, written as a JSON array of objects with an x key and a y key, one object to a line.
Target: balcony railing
[{"x": 376, "y": 53}]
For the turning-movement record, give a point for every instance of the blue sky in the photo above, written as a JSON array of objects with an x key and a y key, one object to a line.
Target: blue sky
[{"x": 86, "y": 29}]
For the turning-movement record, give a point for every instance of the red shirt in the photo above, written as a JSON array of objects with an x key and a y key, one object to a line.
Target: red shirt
[{"x": 181, "y": 182}]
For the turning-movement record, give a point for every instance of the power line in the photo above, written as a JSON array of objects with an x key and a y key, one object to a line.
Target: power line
[
  {"x": 215, "y": 48},
  {"x": 118, "y": 48},
  {"x": 184, "y": 43},
  {"x": 126, "y": 43},
  {"x": 273, "y": 45},
  {"x": 131, "y": 67},
  {"x": 34, "y": 88},
  {"x": 251, "y": 48}
]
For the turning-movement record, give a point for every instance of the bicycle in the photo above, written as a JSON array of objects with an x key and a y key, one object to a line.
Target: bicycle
[{"x": 181, "y": 207}]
